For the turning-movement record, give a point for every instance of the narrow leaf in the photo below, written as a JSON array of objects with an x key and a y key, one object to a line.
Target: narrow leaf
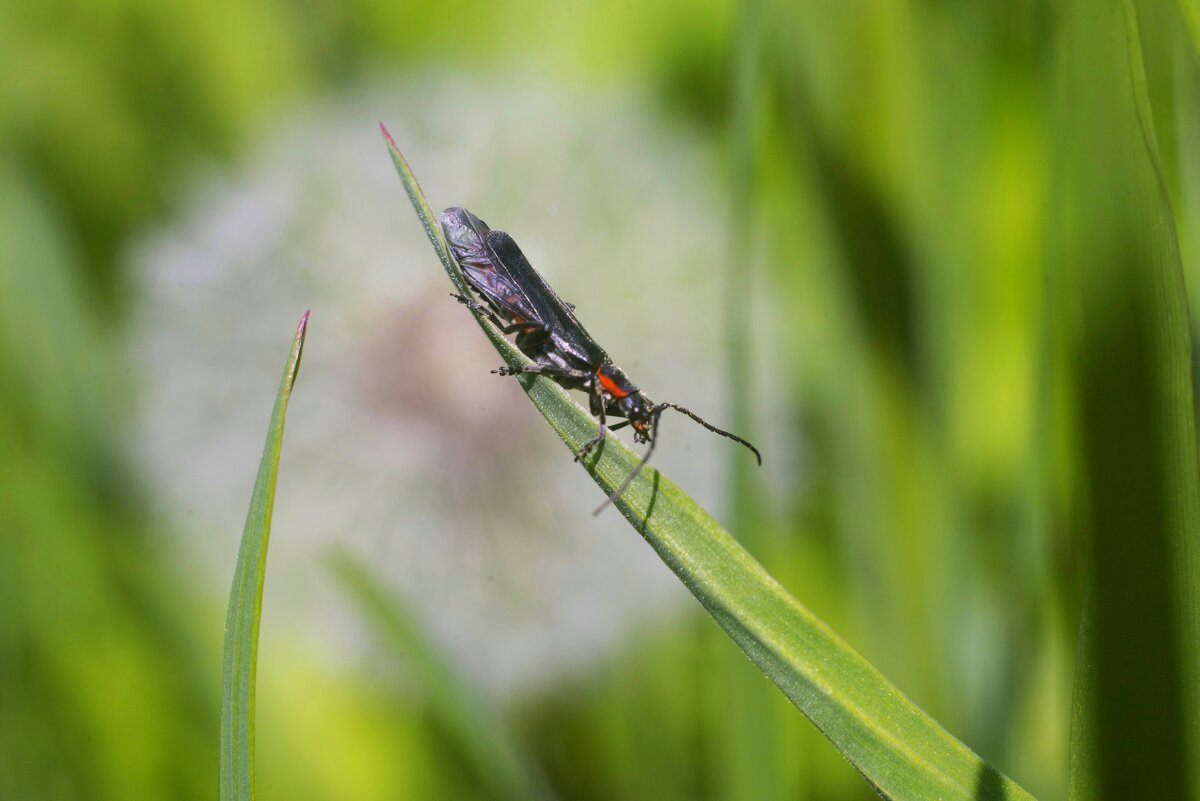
[
  {"x": 245, "y": 603},
  {"x": 898, "y": 749}
]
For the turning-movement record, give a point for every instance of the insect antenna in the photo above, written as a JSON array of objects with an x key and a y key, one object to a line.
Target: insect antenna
[{"x": 659, "y": 409}]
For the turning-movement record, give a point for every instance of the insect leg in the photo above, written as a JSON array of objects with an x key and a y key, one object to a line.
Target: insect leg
[
  {"x": 543, "y": 369},
  {"x": 586, "y": 448},
  {"x": 486, "y": 311}
]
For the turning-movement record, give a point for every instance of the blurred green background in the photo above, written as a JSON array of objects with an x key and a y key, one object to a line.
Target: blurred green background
[{"x": 954, "y": 265}]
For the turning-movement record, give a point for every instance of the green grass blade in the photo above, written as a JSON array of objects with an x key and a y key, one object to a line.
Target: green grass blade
[
  {"x": 1083, "y": 772},
  {"x": 1189, "y": 12},
  {"x": 245, "y": 602},
  {"x": 1136, "y": 728},
  {"x": 899, "y": 749},
  {"x": 477, "y": 728},
  {"x": 746, "y": 727}
]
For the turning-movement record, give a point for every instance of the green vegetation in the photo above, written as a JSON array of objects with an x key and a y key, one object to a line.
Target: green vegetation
[
  {"x": 896, "y": 747},
  {"x": 961, "y": 287}
]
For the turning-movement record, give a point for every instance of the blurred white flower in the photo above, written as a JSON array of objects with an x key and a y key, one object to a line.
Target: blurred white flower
[{"x": 400, "y": 443}]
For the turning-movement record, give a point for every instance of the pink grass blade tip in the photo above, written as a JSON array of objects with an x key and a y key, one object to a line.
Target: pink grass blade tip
[{"x": 386, "y": 135}]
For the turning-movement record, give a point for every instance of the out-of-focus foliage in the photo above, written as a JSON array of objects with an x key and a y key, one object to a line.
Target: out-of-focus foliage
[
  {"x": 961, "y": 263},
  {"x": 102, "y": 103},
  {"x": 462, "y": 712},
  {"x": 104, "y": 684},
  {"x": 1135, "y": 732}
]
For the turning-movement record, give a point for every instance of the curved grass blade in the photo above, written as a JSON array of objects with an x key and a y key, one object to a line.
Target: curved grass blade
[
  {"x": 245, "y": 602},
  {"x": 476, "y": 727},
  {"x": 898, "y": 749}
]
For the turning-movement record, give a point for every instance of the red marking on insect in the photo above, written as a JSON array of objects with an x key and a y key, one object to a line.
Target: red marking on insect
[{"x": 609, "y": 385}]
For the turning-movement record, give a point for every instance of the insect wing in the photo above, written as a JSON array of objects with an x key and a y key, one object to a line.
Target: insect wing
[
  {"x": 500, "y": 294},
  {"x": 535, "y": 294},
  {"x": 466, "y": 234}
]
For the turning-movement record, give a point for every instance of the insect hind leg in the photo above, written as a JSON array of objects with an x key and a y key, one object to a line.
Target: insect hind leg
[{"x": 550, "y": 370}]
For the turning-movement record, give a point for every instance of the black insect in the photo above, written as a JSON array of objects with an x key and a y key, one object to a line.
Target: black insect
[{"x": 519, "y": 301}]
